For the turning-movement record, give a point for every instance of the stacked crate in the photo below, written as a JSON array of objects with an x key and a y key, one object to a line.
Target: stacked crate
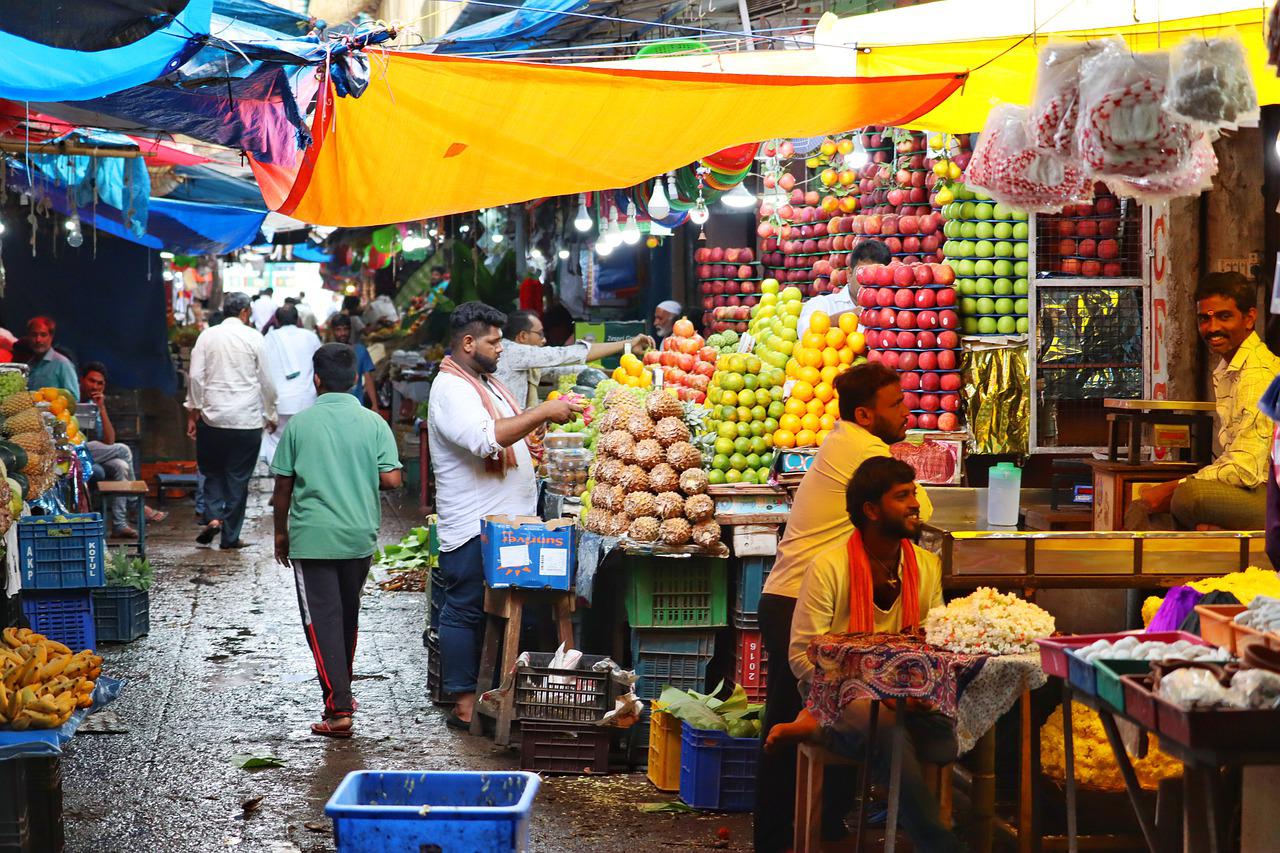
[
  {"x": 62, "y": 563},
  {"x": 558, "y": 710},
  {"x": 751, "y": 662}
]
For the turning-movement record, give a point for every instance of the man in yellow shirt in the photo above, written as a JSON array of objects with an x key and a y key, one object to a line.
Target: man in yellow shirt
[
  {"x": 873, "y": 415},
  {"x": 1230, "y": 492},
  {"x": 878, "y": 581}
]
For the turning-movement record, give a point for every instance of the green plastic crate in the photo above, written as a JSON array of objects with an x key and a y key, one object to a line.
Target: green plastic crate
[
  {"x": 1109, "y": 671},
  {"x": 666, "y": 592}
]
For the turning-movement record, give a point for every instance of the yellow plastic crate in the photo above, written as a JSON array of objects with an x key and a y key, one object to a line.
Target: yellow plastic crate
[{"x": 664, "y": 751}]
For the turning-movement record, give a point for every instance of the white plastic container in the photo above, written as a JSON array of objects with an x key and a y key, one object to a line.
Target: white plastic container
[{"x": 1004, "y": 487}]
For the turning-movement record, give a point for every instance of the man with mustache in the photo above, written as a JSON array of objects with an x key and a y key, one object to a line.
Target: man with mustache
[
  {"x": 880, "y": 581},
  {"x": 1230, "y": 493}
]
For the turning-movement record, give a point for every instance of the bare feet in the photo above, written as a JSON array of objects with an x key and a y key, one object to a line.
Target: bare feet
[
  {"x": 803, "y": 728},
  {"x": 464, "y": 706}
]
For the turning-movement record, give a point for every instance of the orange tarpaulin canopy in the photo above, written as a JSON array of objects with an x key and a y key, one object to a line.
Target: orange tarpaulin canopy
[{"x": 434, "y": 135}]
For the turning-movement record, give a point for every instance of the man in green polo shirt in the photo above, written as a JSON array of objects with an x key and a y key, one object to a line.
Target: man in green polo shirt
[{"x": 332, "y": 460}]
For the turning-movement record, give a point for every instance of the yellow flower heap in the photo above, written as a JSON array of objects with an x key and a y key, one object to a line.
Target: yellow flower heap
[
  {"x": 1245, "y": 586},
  {"x": 1095, "y": 763}
]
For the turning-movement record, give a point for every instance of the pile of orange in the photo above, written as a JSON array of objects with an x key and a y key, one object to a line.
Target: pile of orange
[{"x": 822, "y": 353}]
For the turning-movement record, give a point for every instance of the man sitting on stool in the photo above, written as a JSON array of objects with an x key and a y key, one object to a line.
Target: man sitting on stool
[
  {"x": 877, "y": 581},
  {"x": 1229, "y": 493},
  {"x": 115, "y": 460}
]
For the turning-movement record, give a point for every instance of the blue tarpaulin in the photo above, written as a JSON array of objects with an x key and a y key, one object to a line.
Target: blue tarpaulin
[
  {"x": 263, "y": 14},
  {"x": 203, "y": 184},
  {"x": 514, "y": 30},
  {"x": 42, "y": 72},
  {"x": 119, "y": 182}
]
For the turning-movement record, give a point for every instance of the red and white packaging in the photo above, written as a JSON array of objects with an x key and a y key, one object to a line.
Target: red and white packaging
[
  {"x": 1010, "y": 169},
  {"x": 1056, "y": 107}
]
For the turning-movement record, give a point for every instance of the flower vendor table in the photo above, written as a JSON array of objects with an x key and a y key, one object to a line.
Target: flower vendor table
[{"x": 974, "y": 690}]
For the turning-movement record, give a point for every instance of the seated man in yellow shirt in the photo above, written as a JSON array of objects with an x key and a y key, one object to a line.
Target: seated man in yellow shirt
[
  {"x": 1230, "y": 492},
  {"x": 879, "y": 581}
]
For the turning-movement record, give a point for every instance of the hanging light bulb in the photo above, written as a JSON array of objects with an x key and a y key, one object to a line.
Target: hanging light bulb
[
  {"x": 1, "y": 227},
  {"x": 583, "y": 220},
  {"x": 631, "y": 235},
  {"x": 652, "y": 242},
  {"x": 739, "y": 198},
  {"x": 563, "y": 254},
  {"x": 75, "y": 239},
  {"x": 463, "y": 229},
  {"x": 699, "y": 214},
  {"x": 858, "y": 157},
  {"x": 659, "y": 206},
  {"x": 603, "y": 248},
  {"x": 613, "y": 234},
  {"x": 497, "y": 238}
]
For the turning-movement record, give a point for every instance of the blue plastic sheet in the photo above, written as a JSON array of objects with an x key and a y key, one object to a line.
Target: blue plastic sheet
[
  {"x": 48, "y": 743},
  {"x": 514, "y": 30},
  {"x": 119, "y": 182},
  {"x": 40, "y": 72}
]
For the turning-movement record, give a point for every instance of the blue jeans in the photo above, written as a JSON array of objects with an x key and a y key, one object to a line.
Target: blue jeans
[
  {"x": 461, "y": 617},
  {"x": 927, "y": 736}
]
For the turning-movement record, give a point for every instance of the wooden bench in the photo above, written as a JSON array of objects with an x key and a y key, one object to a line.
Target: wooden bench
[
  {"x": 133, "y": 492},
  {"x": 507, "y": 605}
]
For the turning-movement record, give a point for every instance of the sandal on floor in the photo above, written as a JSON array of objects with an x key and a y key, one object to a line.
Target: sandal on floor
[
  {"x": 208, "y": 534},
  {"x": 157, "y": 517},
  {"x": 453, "y": 721},
  {"x": 325, "y": 727}
]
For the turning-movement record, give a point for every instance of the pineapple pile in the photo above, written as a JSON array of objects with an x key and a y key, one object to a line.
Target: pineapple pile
[
  {"x": 22, "y": 425},
  {"x": 647, "y": 481}
]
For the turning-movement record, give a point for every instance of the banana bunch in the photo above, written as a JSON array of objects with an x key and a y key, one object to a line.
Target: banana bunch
[{"x": 41, "y": 681}]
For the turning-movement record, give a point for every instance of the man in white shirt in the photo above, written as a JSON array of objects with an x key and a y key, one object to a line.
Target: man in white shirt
[
  {"x": 844, "y": 300},
  {"x": 263, "y": 308},
  {"x": 664, "y": 318},
  {"x": 230, "y": 398},
  {"x": 306, "y": 317},
  {"x": 482, "y": 466},
  {"x": 877, "y": 581},
  {"x": 288, "y": 349},
  {"x": 873, "y": 415},
  {"x": 526, "y": 358}
]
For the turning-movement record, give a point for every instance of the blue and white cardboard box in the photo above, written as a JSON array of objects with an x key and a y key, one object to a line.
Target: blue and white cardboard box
[{"x": 525, "y": 551}]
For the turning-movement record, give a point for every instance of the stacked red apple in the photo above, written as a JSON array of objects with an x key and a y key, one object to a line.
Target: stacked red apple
[
  {"x": 910, "y": 312},
  {"x": 912, "y": 237},
  {"x": 687, "y": 364},
  {"x": 1085, "y": 239},
  {"x": 727, "y": 279},
  {"x": 797, "y": 246}
]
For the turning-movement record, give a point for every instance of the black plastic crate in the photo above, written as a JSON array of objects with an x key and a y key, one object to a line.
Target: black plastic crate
[
  {"x": 678, "y": 658},
  {"x": 121, "y": 614},
  {"x": 44, "y": 804},
  {"x": 14, "y": 816},
  {"x": 581, "y": 695},
  {"x": 564, "y": 748},
  {"x": 435, "y": 690}
]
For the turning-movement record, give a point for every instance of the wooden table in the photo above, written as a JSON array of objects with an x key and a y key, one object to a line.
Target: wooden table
[
  {"x": 1135, "y": 414},
  {"x": 1115, "y": 484}
]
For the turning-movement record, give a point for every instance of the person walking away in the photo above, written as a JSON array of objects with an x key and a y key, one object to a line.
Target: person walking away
[
  {"x": 876, "y": 581},
  {"x": 49, "y": 368},
  {"x": 1229, "y": 493},
  {"x": 288, "y": 349},
  {"x": 382, "y": 312},
  {"x": 306, "y": 317},
  {"x": 365, "y": 389},
  {"x": 212, "y": 319},
  {"x": 263, "y": 308},
  {"x": 873, "y": 415},
  {"x": 526, "y": 359},
  {"x": 230, "y": 398},
  {"x": 332, "y": 460},
  {"x": 476, "y": 432},
  {"x": 115, "y": 460}
]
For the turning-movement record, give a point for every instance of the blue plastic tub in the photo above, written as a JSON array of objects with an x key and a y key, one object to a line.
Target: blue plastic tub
[
  {"x": 62, "y": 554},
  {"x": 377, "y": 812},
  {"x": 718, "y": 772}
]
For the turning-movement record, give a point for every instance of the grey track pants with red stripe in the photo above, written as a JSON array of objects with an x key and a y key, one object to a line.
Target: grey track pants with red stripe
[{"x": 329, "y": 598}]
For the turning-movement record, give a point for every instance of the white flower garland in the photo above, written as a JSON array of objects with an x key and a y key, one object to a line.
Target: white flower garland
[{"x": 988, "y": 622}]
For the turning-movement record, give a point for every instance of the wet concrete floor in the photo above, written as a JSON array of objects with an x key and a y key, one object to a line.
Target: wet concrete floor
[{"x": 225, "y": 671}]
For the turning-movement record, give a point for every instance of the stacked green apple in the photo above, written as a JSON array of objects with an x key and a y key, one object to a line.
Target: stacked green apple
[
  {"x": 745, "y": 397},
  {"x": 986, "y": 244}
]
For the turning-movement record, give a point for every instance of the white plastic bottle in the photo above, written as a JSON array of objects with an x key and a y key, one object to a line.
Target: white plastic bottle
[{"x": 1004, "y": 486}]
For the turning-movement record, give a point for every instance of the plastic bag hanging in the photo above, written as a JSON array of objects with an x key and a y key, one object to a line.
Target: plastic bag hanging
[
  {"x": 1209, "y": 81},
  {"x": 1124, "y": 130},
  {"x": 1007, "y": 167},
  {"x": 1055, "y": 109},
  {"x": 1193, "y": 178}
]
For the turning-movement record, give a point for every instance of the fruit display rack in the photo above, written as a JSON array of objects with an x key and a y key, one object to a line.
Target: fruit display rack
[{"x": 987, "y": 245}]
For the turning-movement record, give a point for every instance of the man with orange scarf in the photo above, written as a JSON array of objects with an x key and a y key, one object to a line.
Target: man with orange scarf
[
  {"x": 877, "y": 581},
  {"x": 476, "y": 431}
]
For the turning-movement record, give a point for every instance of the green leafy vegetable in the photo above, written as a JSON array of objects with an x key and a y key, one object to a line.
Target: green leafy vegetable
[
  {"x": 123, "y": 570},
  {"x": 733, "y": 715},
  {"x": 674, "y": 806},
  {"x": 249, "y": 762},
  {"x": 415, "y": 551}
]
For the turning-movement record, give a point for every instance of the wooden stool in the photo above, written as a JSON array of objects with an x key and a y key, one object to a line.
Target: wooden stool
[
  {"x": 131, "y": 491},
  {"x": 811, "y": 764},
  {"x": 508, "y": 604},
  {"x": 174, "y": 481}
]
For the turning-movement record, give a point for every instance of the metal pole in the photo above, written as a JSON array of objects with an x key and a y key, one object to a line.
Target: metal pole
[
  {"x": 522, "y": 242},
  {"x": 746, "y": 24}
]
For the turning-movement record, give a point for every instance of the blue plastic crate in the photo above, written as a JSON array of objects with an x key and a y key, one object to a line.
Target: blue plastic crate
[
  {"x": 752, "y": 573},
  {"x": 375, "y": 811},
  {"x": 62, "y": 554},
  {"x": 121, "y": 614},
  {"x": 671, "y": 657},
  {"x": 65, "y": 616},
  {"x": 718, "y": 772}
]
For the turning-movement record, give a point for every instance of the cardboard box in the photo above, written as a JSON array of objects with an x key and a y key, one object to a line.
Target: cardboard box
[{"x": 526, "y": 551}]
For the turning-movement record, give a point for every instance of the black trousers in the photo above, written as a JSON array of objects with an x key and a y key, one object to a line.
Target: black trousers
[
  {"x": 776, "y": 771},
  {"x": 329, "y": 598},
  {"x": 226, "y": 458}
]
